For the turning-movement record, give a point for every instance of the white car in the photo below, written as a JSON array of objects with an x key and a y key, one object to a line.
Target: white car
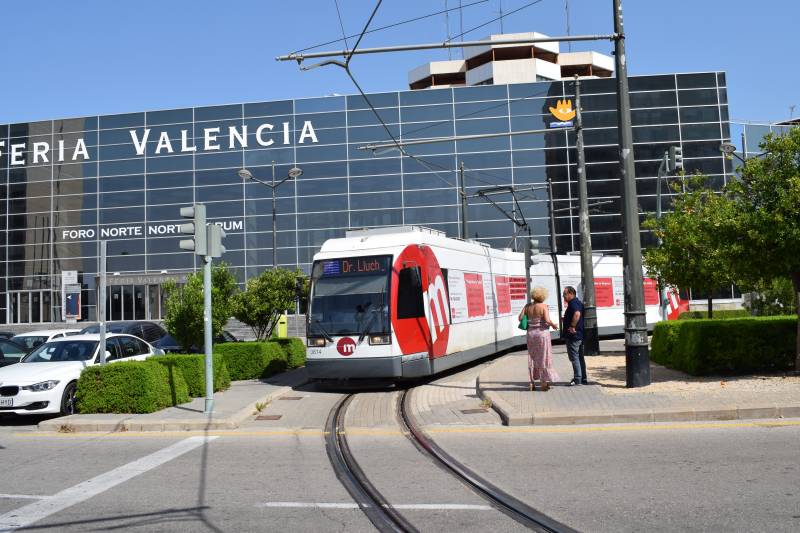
[
  {"x": 44, "y": 381},
  {"x": 32, "y": 339}
]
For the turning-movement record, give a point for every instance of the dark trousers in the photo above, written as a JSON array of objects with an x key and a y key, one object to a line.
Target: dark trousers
[{"x": 575, "y": 353}]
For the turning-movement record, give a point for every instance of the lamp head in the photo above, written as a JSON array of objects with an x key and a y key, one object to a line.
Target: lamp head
[
  {"x": 727, "y": 148},
  {"x": 245, "y": 174},
  {"x": 294, "y": 172}
]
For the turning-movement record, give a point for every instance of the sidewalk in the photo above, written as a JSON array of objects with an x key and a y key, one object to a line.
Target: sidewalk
[
  {"x": 231, "y": 408},
  {"x": 676, "y": 397}
]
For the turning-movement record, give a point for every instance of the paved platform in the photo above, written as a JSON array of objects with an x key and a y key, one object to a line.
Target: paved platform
[
  {"x": 505, "y": 384},
  {"x": 231, "y": 408}
]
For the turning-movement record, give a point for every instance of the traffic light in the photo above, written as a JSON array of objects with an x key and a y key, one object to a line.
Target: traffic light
[
  {"x": 675, "y": 158},
  {"x": 215, "y": 236},
  {"x": 197, "y": 228}
]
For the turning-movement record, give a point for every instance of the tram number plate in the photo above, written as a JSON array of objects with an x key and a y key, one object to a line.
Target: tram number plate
[{"x": 6, "y": 402}]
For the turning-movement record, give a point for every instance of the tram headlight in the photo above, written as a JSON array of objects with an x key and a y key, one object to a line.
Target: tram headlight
[
  {"x": 380, "y": 339},
  {"x": 315, "y": 342}
]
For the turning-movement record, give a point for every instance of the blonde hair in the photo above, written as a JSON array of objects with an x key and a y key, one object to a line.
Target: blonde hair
[{"x": 539, "y": 294}]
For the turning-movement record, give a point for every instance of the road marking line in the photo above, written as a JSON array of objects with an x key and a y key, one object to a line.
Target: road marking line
[
  {"x": 622, "y": 426},
  {"x": 407, "y": 506},
  {"x": 27, "y": 515},
  {"x": 23, "y": 497}
]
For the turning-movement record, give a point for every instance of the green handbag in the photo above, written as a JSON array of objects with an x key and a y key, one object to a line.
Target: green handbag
[{"x": 523, "y": 324}]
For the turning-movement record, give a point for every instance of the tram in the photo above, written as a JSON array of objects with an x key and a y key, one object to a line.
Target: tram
[{"x": 405, "y": 302}]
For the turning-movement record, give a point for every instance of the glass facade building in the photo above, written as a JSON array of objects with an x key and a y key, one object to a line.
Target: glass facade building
[{"x": 123, "y": 178}]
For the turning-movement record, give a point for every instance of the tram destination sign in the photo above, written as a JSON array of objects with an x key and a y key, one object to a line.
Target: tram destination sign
[{"x": 354, "y": 266}]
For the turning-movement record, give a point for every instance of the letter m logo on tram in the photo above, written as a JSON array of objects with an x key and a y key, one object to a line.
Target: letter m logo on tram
[{"x": 437, "y": 306}]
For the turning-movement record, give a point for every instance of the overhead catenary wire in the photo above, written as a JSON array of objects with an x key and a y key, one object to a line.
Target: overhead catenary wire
[
  {"x": 393, "y": 25},
  {"x": 500, "y": 18}
]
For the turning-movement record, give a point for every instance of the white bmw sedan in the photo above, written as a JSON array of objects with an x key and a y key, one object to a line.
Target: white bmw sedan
[{"x": 44, "y": 381}]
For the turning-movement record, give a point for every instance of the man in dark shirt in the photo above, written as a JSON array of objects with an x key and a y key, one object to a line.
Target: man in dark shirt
[{"x": 573, "y": 325}]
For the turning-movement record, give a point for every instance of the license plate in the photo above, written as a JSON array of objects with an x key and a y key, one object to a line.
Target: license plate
[{"x": 6, "y": 402}]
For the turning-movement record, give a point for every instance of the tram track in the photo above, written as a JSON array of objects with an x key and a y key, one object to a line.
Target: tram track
[{"x": 380, "y": 511}]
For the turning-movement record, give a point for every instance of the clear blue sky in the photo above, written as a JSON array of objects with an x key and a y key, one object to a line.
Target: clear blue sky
[{"x": 94, "y": 57}]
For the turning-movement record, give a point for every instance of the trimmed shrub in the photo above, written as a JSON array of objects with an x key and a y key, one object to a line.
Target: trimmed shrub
[
  {"x": 130, "y": 387},
  {"x": 726, "y": 346},
  {"x": 720, "y": 314},
  {"x": 193, "y": 369},
  {"x": 252, "y": 360},
  {"x": 294, "y": 349}
]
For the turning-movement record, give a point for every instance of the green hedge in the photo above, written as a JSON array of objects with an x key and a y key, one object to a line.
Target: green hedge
[
  {"x": 295, "y": 351},
  {"x": 721, "y": 314},
  {"x": 252, "y": 360},
  {"x": 193, "y": 369},
  {"x": 130, "y": 387},
  {"x": 726, "y": 346}
]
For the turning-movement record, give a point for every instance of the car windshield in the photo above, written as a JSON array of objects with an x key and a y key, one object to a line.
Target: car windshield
[
  {"x": 52, "y": 352},
  {"x": 350, "y": 296},
  {"x": 29, "y": 341},
  {"x": 110, "y": 328}
]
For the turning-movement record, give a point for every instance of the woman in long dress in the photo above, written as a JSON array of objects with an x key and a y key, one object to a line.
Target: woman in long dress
[{"x": 540, "y": 349}]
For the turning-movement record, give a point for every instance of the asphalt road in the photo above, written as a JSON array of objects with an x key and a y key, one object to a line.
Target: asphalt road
[{"x": 275, "y": 474}]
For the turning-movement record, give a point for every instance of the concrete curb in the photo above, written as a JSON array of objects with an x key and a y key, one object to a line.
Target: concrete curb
[
  {"x": 512, "y": 417},
  {"x": 116, "y": 423}
]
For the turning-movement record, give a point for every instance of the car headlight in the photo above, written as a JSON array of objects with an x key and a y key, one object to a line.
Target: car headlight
[
  {"x": 39, "y": 387},
  {"x": 315, "y": 342},
  {"x": 380, "y": 339}
]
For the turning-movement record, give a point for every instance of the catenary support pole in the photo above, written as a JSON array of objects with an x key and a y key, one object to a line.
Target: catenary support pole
[
  {"x": 554, "y": 247},
  {"x": 209, "y": 408},
  {"x": 662, "y": 170},
  {"x": 637, "y": 356},
  {"x": 101, "y": 304},
  {"x": 463, "y": 193},
  {"x": 274, "y": 223},
  {"x": 528, "y": 264},
  {"x": 591, "y": 340}
]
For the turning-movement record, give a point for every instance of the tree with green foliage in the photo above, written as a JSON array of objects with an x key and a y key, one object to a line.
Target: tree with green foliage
[
  {"x": 265, "y": 298},
  {"x": 693, "y": 251},
  {"x": 184, "y": 306},
  {"x": 766, "y": 216},
  {"x": 773, "y": 298}
]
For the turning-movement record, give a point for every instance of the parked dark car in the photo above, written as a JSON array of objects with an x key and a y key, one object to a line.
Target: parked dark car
[
  {"x": 169, "y": 344},
  {"x": 147, "y": 331},
  {"x": 11, "y": 352}
]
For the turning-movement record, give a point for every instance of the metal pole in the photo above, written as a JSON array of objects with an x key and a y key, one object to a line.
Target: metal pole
[
  {"x": 528, "y": 264},
  {"x": 637, "y": 356},
  {"x": 591, "y": 340},
  {"x": 554, "y": 248},
  {"x": 207, "y": 334},
  {"x": 101, "y": 305},
  {"x": 430, "y": 46},
  {"x": 274, "y": 223},
  {"x": 463, "y": 193},
  {"x": 662, "y": 168}
]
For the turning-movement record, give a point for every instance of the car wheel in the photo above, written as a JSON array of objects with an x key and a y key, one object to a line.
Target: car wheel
[{"x": 68, "y": 400}]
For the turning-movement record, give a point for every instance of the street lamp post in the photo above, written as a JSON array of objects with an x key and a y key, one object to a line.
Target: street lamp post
[{"x": 294, "y": 172}]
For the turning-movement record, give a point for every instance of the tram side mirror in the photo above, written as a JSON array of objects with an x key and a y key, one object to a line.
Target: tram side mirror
[{"x": 409, "y": 294}]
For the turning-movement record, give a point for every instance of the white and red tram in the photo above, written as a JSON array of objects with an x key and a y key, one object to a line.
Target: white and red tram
[{"x": 406, "y": 302}]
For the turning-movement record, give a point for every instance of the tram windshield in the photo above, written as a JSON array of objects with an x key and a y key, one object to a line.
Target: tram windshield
[{"x": 350, "y": 296}]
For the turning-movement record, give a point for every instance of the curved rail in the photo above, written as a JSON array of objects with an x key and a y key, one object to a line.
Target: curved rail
[
  {"x": 504, "y": 502},
  {"x": 382, "y": 515}
]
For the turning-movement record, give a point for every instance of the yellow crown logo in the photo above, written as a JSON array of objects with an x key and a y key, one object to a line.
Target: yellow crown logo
[{"x": 563, "y": 110}]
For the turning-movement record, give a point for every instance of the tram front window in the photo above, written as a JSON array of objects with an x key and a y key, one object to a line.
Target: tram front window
[{"x": 350, "y": 297}]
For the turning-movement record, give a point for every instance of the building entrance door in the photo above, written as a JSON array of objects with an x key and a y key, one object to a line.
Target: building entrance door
[{"x": 29, "y": 307}]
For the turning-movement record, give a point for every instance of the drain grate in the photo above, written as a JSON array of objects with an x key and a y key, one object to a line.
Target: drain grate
[
  {"x": 269, "y": 417},
  {"x": 473, "y": 411},
  {"x": 290, "y": 398}
]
